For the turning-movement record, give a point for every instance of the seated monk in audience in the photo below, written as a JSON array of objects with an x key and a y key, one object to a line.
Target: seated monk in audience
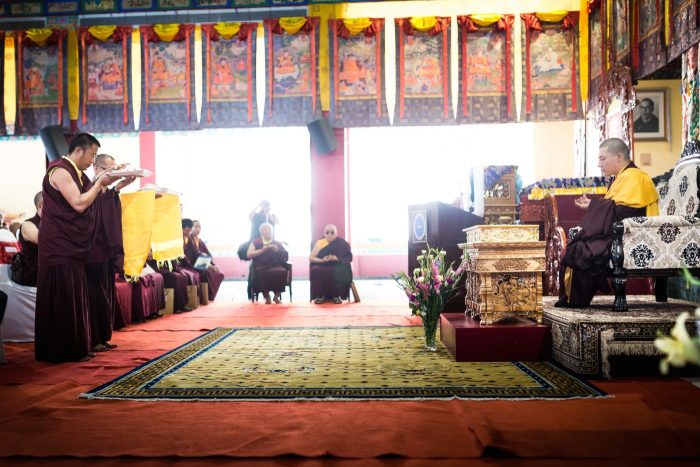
[
  {"x": 29, "y": 242},
  {"x": 269, "y": 260},
  {"x": 586, "y": 260},
  {"x": 194, "y": 248},
  {"x": 330, "y": 271},
  {"x": 175, "y": 279}
]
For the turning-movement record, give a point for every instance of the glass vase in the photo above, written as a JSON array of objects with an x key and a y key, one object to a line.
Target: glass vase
[{"x": 430, "y": 325}]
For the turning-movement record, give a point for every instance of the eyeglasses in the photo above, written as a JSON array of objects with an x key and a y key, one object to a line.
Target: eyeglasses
[{"x": 330, "y": 232}]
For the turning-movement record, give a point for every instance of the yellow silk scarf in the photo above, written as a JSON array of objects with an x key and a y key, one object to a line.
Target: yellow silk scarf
[
  {"x": 138, "y": 211},
  {"x": 166, "y": 239},
  {"x": 633, "y": 188}
]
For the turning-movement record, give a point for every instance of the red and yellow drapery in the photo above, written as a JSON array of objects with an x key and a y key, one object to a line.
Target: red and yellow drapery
[
  {"x": 40, "y": 37},
  {"x": 368, "y": 27},
  {"x": 533, "y": 22},
  {"x": 293, "y": 25},
  {"x": 433, "y": 26},
  {"x": 593, "y": 5},
  {"x": 167, "y": 33},
  {"x": 227, "y": 31},
  {"x": 117, "y": 34},
  {"x": 472, "y": 23}
]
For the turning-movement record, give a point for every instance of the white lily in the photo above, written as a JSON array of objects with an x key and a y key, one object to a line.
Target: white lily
[{"x": 680, "y": 348}]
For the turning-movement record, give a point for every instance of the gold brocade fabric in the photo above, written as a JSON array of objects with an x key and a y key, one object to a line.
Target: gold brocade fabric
[
  {"x": 292, "y": 25},
  {"x": 166, "y": 32},
  {"x": 332, "y": 363},
  {"x": 357, "y": 25},
  {"x": 102, "y": 33},
  {"x": 423, "y": 23},
  {"x": 227, "y": 30},
  {"x": 166, "y": 240},
  {"x": 137, "y": 224},
  {"x": 635, "y": 189}
]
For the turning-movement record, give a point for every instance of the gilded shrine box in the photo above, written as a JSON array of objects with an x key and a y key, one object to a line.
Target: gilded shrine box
[{"x": 504, "y": 272}]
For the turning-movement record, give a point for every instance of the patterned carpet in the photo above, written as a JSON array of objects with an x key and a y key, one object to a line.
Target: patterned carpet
[{"x": 332, "y": 363}]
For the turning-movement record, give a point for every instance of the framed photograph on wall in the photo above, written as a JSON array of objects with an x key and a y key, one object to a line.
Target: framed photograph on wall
[{"x": 651, "y": 115}]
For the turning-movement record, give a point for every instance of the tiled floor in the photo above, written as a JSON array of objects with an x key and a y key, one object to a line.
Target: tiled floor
[{"x": 369, "y": 290}]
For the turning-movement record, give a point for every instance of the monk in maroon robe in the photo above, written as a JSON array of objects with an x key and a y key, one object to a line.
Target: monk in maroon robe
[
  {"x": 194, "y": 247},
  {"x": 269, "y": 265},
  {"x": 330, "y": 273},
  {"x": 212, "y": 277},
  {"x": 29, "y": 243},
  {"x": 62, "y": 327},
  {"x": 176, "y": 280},
  {"x": 105, "y": 258}
]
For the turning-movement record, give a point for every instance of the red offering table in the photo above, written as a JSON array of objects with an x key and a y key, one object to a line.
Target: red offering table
[{"x": 517, "y": 340}]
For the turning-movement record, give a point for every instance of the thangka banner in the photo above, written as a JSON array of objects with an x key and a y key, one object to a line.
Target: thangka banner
[
  {"x": 357, "y": 68},
  {"x": 105, "y": 79},
  {"x": 40, "y": 78},
  {"x": 292, "y": 96},
  {"x": 486, "y": 69},
  {"x": 168, "y": 55},
  {"x": 423, "y": 52},
  {"x": 229, "y": 64},
  {"x": 648, "y": 51},
  {"x": 620, "y": 26},
  {"x": 3, "y": 130},
  {"x": 596, "y": 47},
  {"x": 682, "y": 28},
  {"x": 550, "y": 67}
]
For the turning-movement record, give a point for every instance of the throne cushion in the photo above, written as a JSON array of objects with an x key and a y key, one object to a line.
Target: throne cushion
[
  {"x": 679, "y": 196},
  {"x": 661, "y": 242}
]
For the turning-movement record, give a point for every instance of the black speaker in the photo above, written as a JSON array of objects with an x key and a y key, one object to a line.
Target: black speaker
[
  {"x": 322, "y": 135},
  {"x": 54, "y": 142}
]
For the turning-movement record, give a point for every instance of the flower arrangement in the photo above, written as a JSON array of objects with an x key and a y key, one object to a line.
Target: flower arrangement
[
  {"x": 680, "y": 348},
  {"x": 429, "y": 287}
]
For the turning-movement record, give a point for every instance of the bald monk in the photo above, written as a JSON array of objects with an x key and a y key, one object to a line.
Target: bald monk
[
  {"x": 68, "y": 222},
  {"x": 631, "y": 193},
  {"x": 106, "y": 257},
  {"x": 194, "y": 247},
  {"x": 191, "y": 254},
  {"x": 29, "y": 242},
  {"x": 269, "y": 265},
  {"x": 330, "y": 273}
]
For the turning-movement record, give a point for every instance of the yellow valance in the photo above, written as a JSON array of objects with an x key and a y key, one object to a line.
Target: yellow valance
[
  {"x": 227, "y": 30},
  {"x": 292, "y": 25},
  {"x": 423, "y": 23},
  {"x": 552, "y": 16},
  {"x": 137, "y": 226},
  {"x": 39, "y": 35},
  {"x": 166, "y": 32},
  {"x": 486, "y": 19},
  {"x": 102, "y": 33},
  {"x": 357, "y": 25}
]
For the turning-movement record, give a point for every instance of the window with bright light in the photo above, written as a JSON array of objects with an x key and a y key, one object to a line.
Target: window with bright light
[
  {"x": 223, "y": 174},
  {"x": 392, "y": 168}
]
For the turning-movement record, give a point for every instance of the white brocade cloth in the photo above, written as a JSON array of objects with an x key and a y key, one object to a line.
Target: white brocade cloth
[{"x": 18, "y": 323}]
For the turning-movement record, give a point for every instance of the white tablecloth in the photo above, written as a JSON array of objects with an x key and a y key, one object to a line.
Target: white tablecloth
[{"x": 18, "y": 324}]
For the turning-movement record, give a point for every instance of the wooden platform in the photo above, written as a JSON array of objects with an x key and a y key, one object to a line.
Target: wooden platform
[{"x": 518, "y": 340}]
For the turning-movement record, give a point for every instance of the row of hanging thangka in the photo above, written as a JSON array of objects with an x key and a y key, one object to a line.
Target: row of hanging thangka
[{"x": 205, "y": 76}]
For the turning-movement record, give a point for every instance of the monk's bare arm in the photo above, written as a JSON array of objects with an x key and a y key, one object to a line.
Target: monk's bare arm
[
  {"x": 30, "y": 232},
  {"x": 61, "y": 180}
]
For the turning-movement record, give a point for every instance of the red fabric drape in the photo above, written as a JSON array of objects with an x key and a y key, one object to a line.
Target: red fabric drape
[
  {"x": 635, "y": 35},
  {"x": 532, "y": 23},
  {"x": 120, "y": 34},
  {"x": 149, "y": 35},
  {"x": 20, "y": 77},
  {"x": 402, "y": 91},
  {"x": 445, "y": 74},
  {"x": 273, "y": 27},
  {"x": 378, "y": 58}
]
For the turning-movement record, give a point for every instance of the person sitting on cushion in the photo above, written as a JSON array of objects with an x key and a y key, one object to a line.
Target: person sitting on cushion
[
  {"x": 330, "y": 272},
  {"x": 269, "y": 260}
]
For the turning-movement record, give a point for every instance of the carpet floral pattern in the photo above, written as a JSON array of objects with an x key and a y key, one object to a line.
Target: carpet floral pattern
[{"x": 332, "y": 363}]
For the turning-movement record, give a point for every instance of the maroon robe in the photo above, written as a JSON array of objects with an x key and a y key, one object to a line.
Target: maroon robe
[
  {"x": 176, "y": 280},
  {"x": 193, "y": 248},
  {"x": 62, "y": 323},
  {"x": 269, "y": 271},
  {"x": 332, "y": 279},
  {"x": 105, "y": 258},
  {"x": 29, "y": 256}
]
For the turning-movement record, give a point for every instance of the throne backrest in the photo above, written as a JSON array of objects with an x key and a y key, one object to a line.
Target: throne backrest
[{"x": 680, "y": 195}]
